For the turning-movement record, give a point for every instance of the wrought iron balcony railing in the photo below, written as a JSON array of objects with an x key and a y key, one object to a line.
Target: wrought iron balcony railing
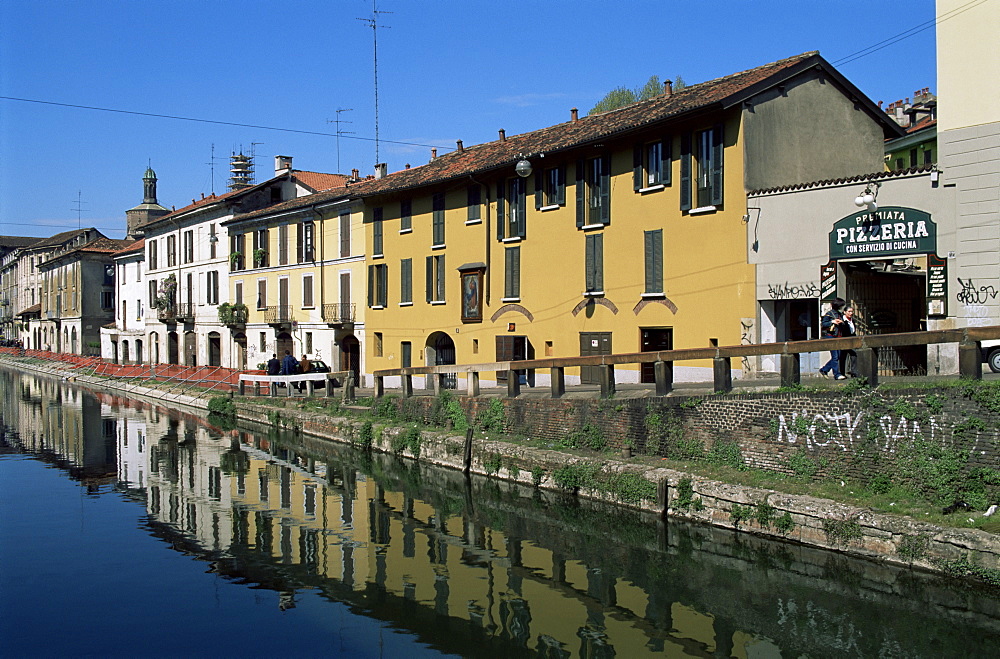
[
  {"x": 278, "y": 315},
  {"x": 338, "y": 312}
]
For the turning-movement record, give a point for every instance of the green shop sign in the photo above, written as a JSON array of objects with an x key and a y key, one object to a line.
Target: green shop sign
[{"x": 887, "y": 232}]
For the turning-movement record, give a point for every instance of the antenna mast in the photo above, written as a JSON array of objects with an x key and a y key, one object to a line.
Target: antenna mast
[
  {"x": 339, "y": 121},
  {"x": 373, "y": 23},
  {"x": 79, "y": 209}
]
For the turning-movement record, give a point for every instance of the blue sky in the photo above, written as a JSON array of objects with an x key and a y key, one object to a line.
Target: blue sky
[{"x": 448, "y": 70}]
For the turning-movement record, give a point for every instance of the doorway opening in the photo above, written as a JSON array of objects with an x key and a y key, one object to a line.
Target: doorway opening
[
  {"x": 440, "y": 350},
  {"x": 653, "y": 339}
]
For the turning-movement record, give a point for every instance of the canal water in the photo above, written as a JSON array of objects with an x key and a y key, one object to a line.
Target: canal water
[{"x": 128, "y": 529}]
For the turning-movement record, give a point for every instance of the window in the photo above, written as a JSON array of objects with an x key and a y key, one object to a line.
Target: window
[
  {"x": 707, "y": 186},
  {"x": 138, "y": 271},
  {"x": 171, "y": 251},
  {"x": 107, "y": 300},
  {"x": 263, "y": 342},
  {"x": 304, "y": 245},
  {"x": 377, "y": 231},
  {"x": 913, "y": 157},
  {"x": 260, "y": 248},
  {"x": 188, "y": 246},
  {"x": 550, "y": 188},
  {"x": 594, "y": 264},
  {"x": 435, "y": 278},
  {"x": 309, "y": 342},
  {"x": 239, "y": 293},
  {"x": 475, "y": 204},
  {"x": 405, "y": 215},
  {"x": 651, "y": 166},
  {"x": 653, "y": 250},
  {"x": 377, "y": 347},
  {"x": 212, "y": 287},
  {"x": 406, "y": 281},
  {"x": 438, "y": 220},
  {"x": 593, "y": 192},
  {"x": 345, "y": 234},
  {"x": 283, "y": 244},
  {"x": 237, "y": 250},
  {"x": 512, "y": 273},
  {"x": 261, "y": 294},
  {"x": 212, "y": 241},
  {"x": 378, "y": 292},
  {"x": 138, "y": 309},
  {"x": 307, "y": 292},
  {"x": 511, "y": 209},
  {"x": 152, "y": 293},
  {"x": 405, "y": 354}
]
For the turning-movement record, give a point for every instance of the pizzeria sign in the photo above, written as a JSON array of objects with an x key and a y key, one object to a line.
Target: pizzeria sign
[{"x": 886, "y": 232}]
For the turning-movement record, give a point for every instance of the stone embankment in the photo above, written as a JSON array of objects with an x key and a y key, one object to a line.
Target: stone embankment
[{"x": 808, "y": 520}]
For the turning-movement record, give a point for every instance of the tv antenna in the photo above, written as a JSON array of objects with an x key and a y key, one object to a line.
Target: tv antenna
[
  {"x": 211, "y": 163},
  {"x": 339, "y": 121},
  {"x": 79, "y": 209},
  {"x": 373, "y": 24}
]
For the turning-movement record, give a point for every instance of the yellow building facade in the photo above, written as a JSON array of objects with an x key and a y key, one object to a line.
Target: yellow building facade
[
  {"x": 620, "y": 232},
  {"x": 295, "y": 279}
]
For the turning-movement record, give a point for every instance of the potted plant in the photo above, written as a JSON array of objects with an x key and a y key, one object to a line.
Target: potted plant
[
  {"x": 166, "y": 294},
  {"x": 259, "y": 257},
  {"x": 240, "y": 312},
  {"x": 235, "y": 260},
  {"x": 226, "y": 313}
]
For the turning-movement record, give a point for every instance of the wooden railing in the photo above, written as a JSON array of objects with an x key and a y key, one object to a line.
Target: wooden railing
[{"x": 867, "y": 347}]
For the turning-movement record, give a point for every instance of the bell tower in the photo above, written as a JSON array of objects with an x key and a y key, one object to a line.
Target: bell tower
[{"x": 136, "y": 218}]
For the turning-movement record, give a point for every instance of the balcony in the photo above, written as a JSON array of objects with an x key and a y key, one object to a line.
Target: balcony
[
  {"x": 339, "y": 313},
  {"x": 181, "y": 312},
  {"x": 233, "y": 314},
  {"x": 279, "y": 315}
]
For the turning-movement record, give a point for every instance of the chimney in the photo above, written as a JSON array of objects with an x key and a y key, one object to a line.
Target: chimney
[
  {"x": 503, "y": 135},
  {"x": 407, "y": 166},
  {"x": 434, "y": 154},
  {"x": 880, "y": 105},
  {"x": 282, "y": 164},
  {"x": 202, "y": 195},
  {"x": 380, "y": 170},
  {"x": 355, "y": 174},
  {"x": 460, "y": 147},
  {"x": 574, "y": 115},
  {"x": 668, "y": 88}
]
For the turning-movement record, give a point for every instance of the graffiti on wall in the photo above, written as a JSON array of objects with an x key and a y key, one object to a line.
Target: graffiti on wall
[
  {"x": 969, "y": 294},
  {"x": 843, "y": 431},
  {"x": 746, "y": 338},
  {"x": 788, "y": 292}
]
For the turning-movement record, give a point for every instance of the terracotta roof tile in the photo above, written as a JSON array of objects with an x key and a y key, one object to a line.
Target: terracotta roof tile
[
  {"x": 317, "y": 181},
  {"x": 926, "y": 122},
  {"x": 719, "y": 93},
  {"x": 859, "y": 178},
  {"x": 135, "y": 246}
]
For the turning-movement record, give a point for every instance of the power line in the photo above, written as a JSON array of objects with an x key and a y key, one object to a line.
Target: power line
[
  {"x": 906, "y": 34},
  {"x": 210, "y": 121}
]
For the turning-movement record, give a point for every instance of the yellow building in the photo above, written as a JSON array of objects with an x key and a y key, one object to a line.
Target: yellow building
[
  {"x": 296, "y": 280},
  {"x": 613, "y": 233}
]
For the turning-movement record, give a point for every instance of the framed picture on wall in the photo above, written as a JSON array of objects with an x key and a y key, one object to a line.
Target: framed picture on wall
[{"x": 472, "y": 296}]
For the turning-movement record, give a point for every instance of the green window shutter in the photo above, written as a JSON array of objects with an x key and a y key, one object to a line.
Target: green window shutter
[
  {"x": 405, "y": 214},
  {"x": 383, "y": 285},
  {"x": 716, "y": 174},
  {"x": 438, "y": 219},
  {"x": 605, "y": 184},
  {"x": 501, "y": 215},
  {"x": 581, "y": 193},
  {"x": 473, "y": 202},
  {"x": 653, "y": 251},
  {"x": 686, "y": 172},
  {"x": 539, "y": 188},
  {"x": 512, "y": 274},
  {"x": 666, "y": 159},
  {"x": 377, "y": 230},
  {"x": 637, "y": 167},
  {"x": 429, "y": 283},
  {"x": 520, "y": 219},
  {"x": 599, "y": 261},
  {"x": 440, "y": 277},
  {"x": 406, "y": 280},
  {"x": 561, "y": 185},
  {"x": 371, "y": 287}
]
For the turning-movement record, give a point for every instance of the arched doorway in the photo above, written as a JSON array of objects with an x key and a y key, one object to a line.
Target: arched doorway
[
  {"x": 138, "y": 351},
  {"x": 124, "y": 352},
  {"x": 440, "y": 350},
  {"x": 173, "y": 348},
  {"x": 284, "y": 342},
  {"x": 73, "y": 342},
  {"x": 190, "y": 348},
  {"x": 214, "y": 349},
  {"x": 241, "y": 350},
  {"x": 114, "y": 352},
  {"x": 350, "y": 357},
  {"x": 155, "y": 356}
]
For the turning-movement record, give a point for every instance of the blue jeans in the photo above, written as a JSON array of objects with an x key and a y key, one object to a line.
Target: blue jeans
[{"x": 833, "y": 364}]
